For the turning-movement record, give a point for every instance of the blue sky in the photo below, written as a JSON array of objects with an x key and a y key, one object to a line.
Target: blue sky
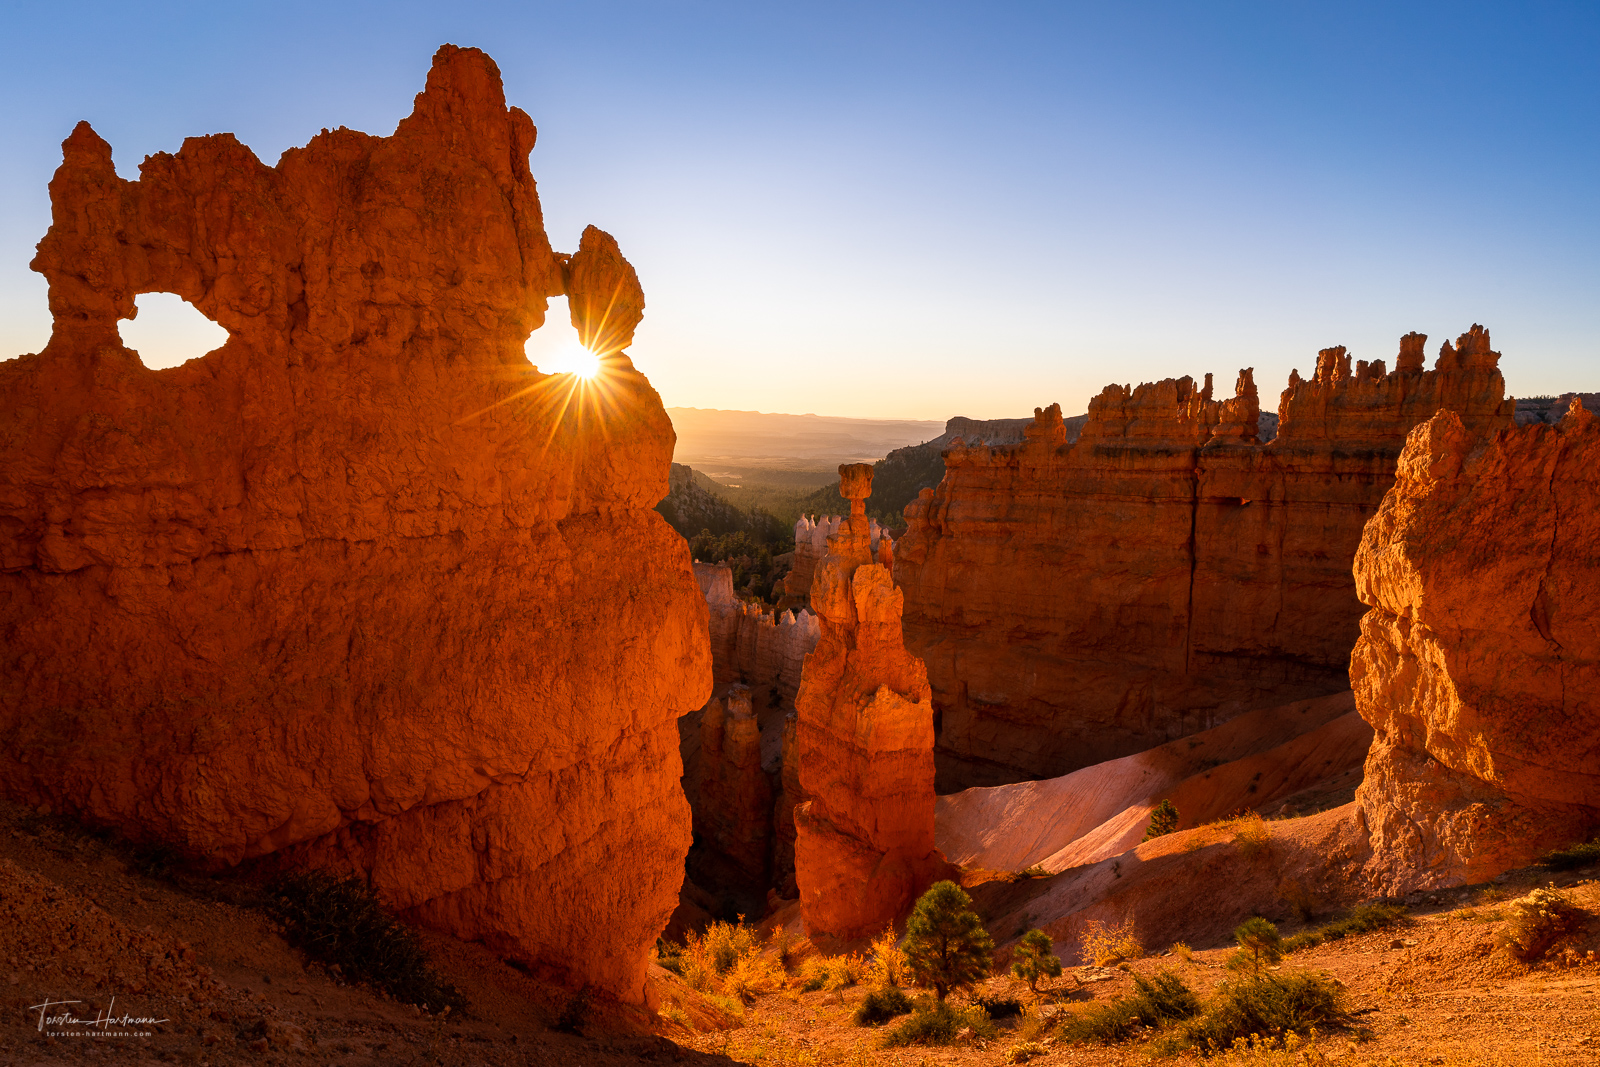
[{"x": 921, "y": 210}]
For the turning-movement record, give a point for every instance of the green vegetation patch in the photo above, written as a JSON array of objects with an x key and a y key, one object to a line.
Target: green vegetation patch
[
  {"x": 1573, "y": 857},
  {"x": 1261, "y": 1005},
  {"x": 1157, "y": 1001},
  {"x": 881, "y": 1005},
  {"x": 341, "y": 922},
  {"x": 1360, "y": 920},
  {"x": 941, "y": 1024}
]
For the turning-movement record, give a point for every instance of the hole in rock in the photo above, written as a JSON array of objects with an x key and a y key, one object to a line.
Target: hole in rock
[
  {"x": 554, "y": 347},
  {"x": 169, "y": 331}
]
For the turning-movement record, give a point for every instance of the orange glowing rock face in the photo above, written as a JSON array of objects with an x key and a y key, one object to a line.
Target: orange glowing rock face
[
  {"x": 1080, "y": 602},
  {"x": 864, "y": 836},
  {"x": 1479, "y": 661},
  {"x": 361, "y": 586}
]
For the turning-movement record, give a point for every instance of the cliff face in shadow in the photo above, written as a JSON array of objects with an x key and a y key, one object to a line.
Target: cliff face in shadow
[
  {"x": 361, "y": 587},
  {"x": 1077, "y": 602}
]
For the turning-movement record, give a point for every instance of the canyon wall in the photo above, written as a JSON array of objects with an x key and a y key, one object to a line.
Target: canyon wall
[
  {"x": 750, "y": 645},
  {"x": 360, "y": 587},
  {"x": 1077, "y": 602},
  {"x": 864, "y": 830},
  {"x": 1479, "y": 662}
]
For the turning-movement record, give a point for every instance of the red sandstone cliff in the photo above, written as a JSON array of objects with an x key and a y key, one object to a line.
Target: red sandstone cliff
[
  {"x": 360, "y": 584},
  {"x": 1079, "y": 602},
  {"x": 1479, "y": 661},
  {"x": 864, "y": 834}
]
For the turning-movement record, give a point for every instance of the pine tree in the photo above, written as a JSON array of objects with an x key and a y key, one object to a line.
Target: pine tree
[
  {"x": 1163, "y": 821},
  {"x": 946, "y": 944},
  {"x": 1259, "y": 943},
  {"x": 1034, "y": 959}
]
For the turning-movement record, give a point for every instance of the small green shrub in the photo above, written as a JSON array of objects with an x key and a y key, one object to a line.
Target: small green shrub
[
  {"x": 1027, "y": 873},
  {"x": 1259, "y": 945},
  {"x": 940, "y": 1024},
  {"x": 946, "y": 944},
  {"x": 1363, "y": 919},
  {"x": 1157, "y": 1001},
  {"x": 669, "y": 955},
  {"x": 1261, "y": 1005},
  {"x": 155, "y": 860},
  {"x": 1163, "y": 821},
  {"x": 341, "y": 921},
  {"x": 1035, "y": 958},
  {"x": 1573, "y": 857},
  {"x": 1539, "y": 921},
  {"x": 881, "y": 1005},
  {"x": 575, "y": 1014},
  {"x": 999, "y": 1007}
]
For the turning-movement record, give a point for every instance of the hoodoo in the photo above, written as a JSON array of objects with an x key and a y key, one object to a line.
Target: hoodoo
[
  {"x": 864, "y": 839},
  {"x": 1080, "y": 602},
  {"x": 361, "y": 587},
  {"x": 1479, "y": 661}
]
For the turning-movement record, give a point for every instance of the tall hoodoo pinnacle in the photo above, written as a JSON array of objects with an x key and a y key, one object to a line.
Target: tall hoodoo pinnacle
[{"x": 864, "y": 843}]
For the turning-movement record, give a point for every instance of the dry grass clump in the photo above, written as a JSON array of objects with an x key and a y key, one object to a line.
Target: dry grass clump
[
  {"x": 1250, "y": 834},
  {"x": 832, "y": 972},
  {"x": 727, "y": 961},
  {"x": 1183, "y": 951},
  {"x": 1538, "y": 922},
  {"x": 1102, "y": 944},
  {"x": 1301, "y": 898},
  {"x": 1023, "y": 1051},
  {"x": 890, "y": 968}
]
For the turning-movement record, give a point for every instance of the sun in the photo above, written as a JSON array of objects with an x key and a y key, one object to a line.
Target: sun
[{"x": 573, "y": 359}]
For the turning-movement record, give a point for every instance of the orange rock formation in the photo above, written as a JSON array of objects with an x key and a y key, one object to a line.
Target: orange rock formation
[
  {"x": 1479, "y": 663},
  {"x": 1076, "y": 603},
  {"x": 361, "y": 583},
  {"x": 734, "y": 815},
  {"x": 864, "y": 844}
]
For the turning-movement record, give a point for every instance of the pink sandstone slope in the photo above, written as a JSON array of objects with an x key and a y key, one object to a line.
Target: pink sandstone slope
[{"x": 1252, "y": 761}]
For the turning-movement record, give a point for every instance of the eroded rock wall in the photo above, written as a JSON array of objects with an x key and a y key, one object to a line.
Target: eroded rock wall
[
  {"x": 1479, "y": 662},
  {"x": 1077, "y": 602},
  {"x": 864, "y": 831},
  {"x": 361, "y": 584}
]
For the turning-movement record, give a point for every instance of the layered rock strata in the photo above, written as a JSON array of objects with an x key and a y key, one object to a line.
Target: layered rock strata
[
  {"x": 864, "y": 834},
  {"x": 1080, "y": 602},
  {"x": 1479, "y": 662},
  {"x": 360, "y": 587}
]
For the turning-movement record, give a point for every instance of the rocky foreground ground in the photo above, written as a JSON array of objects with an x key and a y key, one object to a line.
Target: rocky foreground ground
[{"x": 84, "y": 917}]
